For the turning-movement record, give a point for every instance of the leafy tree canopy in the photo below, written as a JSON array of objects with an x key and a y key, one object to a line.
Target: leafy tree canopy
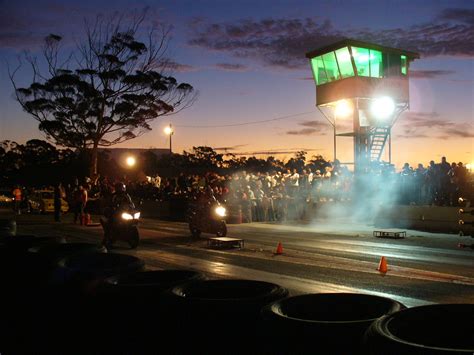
[{"x": 108, "y": 90}]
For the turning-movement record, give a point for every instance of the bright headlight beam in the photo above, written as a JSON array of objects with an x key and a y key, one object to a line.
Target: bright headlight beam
[
  {"x": 382, "y": 108},
  {"x": 127, "y": 216},
  {"x": 220, "y": 211}
]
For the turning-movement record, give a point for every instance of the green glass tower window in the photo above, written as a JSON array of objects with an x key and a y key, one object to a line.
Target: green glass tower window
[
  {"x": 345, "y": 63},
  {"x": 319, "y": 72},
  {"x": 376, "y": 66},
  {"x": 330, "y": 63},
  {"x": 368, "y": 62},
  {"x": 361, "y": 59},
  {"x": 403, "y": 60}
]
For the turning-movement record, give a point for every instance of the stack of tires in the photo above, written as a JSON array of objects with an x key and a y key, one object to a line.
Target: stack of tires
[
  {"x": 215, "y": 312},
  {"x": 431, "y": 329},
  {"x": 326, "y": 323},
  {"x": 135, "y": 309},
  {"x": 33, "y": 305}
]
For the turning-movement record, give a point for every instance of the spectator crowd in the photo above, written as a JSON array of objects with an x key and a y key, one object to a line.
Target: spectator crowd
[{"x": 287, "y": 194}]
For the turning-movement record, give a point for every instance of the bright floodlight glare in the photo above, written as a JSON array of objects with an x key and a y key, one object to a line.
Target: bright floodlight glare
[
  {"x": 382, "y": 108},
  {"x": 343, "y": 109},
  {"x": 168, "y": 130},
  {"x": 131, "y": 161}
]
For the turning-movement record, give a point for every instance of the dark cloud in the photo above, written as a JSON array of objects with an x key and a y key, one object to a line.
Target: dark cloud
[
  {"x": 25, "y": 24},
  {"x": 456, "y": 14},
  {"x": 314, "y": 124},
  {"x": 431, "y": 125},
  {"x": 459, "y": 132},
  {"x": 283, "y": 42},
  {"x": 312, "y": 128},
  {"x": 231, "y": 67},
  {"x": 303, "y": 132},
  {"x": 412, "y": 135},
  {"x": 178, "y": 67},
  {"x": 429, "y": 74}
]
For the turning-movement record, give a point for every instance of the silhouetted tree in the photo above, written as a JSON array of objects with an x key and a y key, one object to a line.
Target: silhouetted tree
[
  {"x": 204, "y": 158},
  {"x": 107, "y": 91},
  {"x": 319, "y": 163},
  {"x": 298, "y": 162}
]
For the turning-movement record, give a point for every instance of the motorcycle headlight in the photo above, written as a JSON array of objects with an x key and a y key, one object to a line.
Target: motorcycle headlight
[
  {"x": 127, "y": 216},
  {"x": 136, "y": 215},
  {"x": 220, "y": 211}
]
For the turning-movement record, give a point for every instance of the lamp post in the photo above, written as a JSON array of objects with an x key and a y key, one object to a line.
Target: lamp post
[{"x": 169, "y": 131}]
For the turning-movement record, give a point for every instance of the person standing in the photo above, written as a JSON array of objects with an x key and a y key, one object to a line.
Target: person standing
[
  {"x": 17, "y": 195},
  {"x": 57, "y": 202}
]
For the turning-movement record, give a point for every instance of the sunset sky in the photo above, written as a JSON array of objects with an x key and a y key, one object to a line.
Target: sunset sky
[{"x": 247, "y": 60}]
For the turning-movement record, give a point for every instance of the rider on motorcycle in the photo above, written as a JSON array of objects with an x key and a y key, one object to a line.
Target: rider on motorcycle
[{"x": 121, "y": 200}]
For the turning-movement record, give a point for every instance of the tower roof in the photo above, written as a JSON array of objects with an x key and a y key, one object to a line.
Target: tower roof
[{"x": 352, "y": 42}]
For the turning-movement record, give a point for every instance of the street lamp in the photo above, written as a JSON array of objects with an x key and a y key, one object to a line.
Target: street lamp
[
  {"x": 169, "y": 131},
  {"x": 131, "y": 161}
]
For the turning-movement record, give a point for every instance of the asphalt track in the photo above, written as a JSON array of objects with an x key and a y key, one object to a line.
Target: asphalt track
[{"x": 423, "y": 268}]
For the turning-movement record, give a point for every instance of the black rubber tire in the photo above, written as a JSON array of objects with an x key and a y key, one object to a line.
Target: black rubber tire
[
  {"x": 140, "y": 298},
  {"x": 329, "y": 323},
  {"x": 21, "y": 243},
  {"x": 222, "y": 229},
  {"x": 83, "y": 273},
  {"x": 134, "y": 240},
  {"x": 156, "y": 281},
  {"x": 432, "y": 329},
  {"x": 222, "y": 308}
]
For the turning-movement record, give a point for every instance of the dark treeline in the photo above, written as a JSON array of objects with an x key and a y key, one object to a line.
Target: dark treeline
[{"x": 38, "y": 163}]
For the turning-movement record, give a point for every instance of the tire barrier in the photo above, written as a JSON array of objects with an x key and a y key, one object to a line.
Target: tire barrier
[
  {"x": 7, "y": 227},
  {"x": 69, "y": 314},
  {"x": 19, "y": 268},
  {"x": 326, "y": 323},
  {"x": 140, "y": 298},
  {"x": 222, "y": 311},
  {"x": 83, "y": 273},
  {"x": 27, "y": 263},
  {"x": 21, "y": 243},
  {"x": 433, "y": 329}
]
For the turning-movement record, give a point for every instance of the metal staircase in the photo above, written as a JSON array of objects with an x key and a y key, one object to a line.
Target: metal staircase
[{"x": 377, "y": 143}]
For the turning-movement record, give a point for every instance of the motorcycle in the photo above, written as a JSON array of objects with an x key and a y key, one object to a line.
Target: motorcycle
[
  {"x": 207, "y": 220},
  {"x": 122, "y": 225}
]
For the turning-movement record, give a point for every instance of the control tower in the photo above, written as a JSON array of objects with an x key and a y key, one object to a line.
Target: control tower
[{"x": 365, "y": 82}]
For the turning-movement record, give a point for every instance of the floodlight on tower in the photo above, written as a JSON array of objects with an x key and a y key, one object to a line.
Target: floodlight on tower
[
  {"x": 343, "y": 109},
  {"x": 382, "y": 108}
]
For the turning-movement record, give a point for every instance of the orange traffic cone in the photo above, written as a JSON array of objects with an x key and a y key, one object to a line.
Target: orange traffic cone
[
  {"x": 279, "y": 249},
  {"x": 88, "y": 219},
  {"x": 383, "y": 267}
]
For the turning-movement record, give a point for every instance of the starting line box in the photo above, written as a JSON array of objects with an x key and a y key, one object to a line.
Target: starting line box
[
  {"x": 224, "y": 242},
  {"x": 393, "y": 235}
]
